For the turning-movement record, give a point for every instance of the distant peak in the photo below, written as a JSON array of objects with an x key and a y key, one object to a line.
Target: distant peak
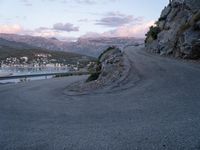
[{"x": 53, "y": 38}]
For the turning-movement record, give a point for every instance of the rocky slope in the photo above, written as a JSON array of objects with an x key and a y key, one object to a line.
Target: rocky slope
[
  {"x": 177, "y": 32},
  {"x": 111, "y": 71}
]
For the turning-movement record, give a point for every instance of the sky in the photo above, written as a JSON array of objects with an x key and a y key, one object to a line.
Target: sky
[{"x": 70, "y": 19}]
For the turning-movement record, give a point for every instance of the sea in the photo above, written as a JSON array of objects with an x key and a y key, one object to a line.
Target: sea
[{"x": 13, "y": 70}]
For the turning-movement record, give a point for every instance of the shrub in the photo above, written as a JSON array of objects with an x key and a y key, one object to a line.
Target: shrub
[
  {"x": 162, "y": 19},
  {"x": 93, "y": 76},
  {"x": 195, "y": 18},
  {"x": 95, "y": 69},
  {"x": 95, "y": 72},
  {"x": 153, "y": 33}
]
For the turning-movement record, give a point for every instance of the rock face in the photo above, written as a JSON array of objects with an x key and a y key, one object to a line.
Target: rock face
[
  {"x": 177, "y": 32},
  {"x": 114, "y": 69},
  {"x": 112, "y": 66}
]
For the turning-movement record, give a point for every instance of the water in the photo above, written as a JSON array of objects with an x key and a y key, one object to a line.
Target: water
[
  {"x": 28, "y": 71},
  {"x": 32, "y": 70}
]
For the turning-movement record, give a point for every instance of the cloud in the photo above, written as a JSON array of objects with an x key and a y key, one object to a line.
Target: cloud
[
  {"x": 131, "y": 30},
  {"x": 116, "y": 19},
  {"x": 17, "y": 29},
  {"x": 44, "y": 32},
  {"x": 135, "y": 30},
  {"x": 68, "y": 27},
  {"x": 26, "y": 2},
  {"x": 83, "y": 20},
  {"x": 88, "y": 2},
  {"x": 48, "y": 33},
  {"x": 56, "y": 31},
  {"x": 6, "y": 28},
  {"x": 91, "y": 35}
]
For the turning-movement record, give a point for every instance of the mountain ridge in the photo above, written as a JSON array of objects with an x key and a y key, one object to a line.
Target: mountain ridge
[{"x": 87, "y": 46}]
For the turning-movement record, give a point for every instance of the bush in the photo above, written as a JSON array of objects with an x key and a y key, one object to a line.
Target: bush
[
  {"x": 153, "y": 33},
  {"x": 162, "y": 19},
  {"x": 195, "y": 18},
  {"x": 93, "y": 76},
  {"x": 95, "y": 69},
  {"x": 94, "y": 72}
]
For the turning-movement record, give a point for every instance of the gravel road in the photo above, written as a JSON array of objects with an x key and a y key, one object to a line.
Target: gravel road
[{"x": 157, "y": 107}]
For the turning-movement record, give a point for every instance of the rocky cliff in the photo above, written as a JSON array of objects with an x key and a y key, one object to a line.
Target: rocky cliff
[{"x": 177, "y": 32}]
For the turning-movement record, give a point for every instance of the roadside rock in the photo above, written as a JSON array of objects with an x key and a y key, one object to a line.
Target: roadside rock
[
  {"x": 177, "y": 32},
  {"x": 114, "y": 68}
]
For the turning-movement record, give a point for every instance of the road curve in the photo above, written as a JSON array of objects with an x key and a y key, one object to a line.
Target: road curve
[{"x": 160, "y": 109}]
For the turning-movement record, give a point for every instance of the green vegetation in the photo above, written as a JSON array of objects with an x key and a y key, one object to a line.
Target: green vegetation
[
  {"x": 93, "y": 77},
  {"x": 183, "y": 28},
  {"x": 195, "y": 18},
  {"x": 162, "y": 19},
  {"x": 95, "y": 71},
  {"x": 153, "y": 33},
  {"x": 192, "y": 22}
]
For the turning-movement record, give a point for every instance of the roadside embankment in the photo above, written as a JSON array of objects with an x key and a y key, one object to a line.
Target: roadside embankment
[{"x": 111, "y": 69}]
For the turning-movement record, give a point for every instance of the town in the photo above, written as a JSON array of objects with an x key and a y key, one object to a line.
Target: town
[{"x": 41, "y": 60}]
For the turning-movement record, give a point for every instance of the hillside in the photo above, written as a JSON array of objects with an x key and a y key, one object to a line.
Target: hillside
[
  {"x": 45, "y": 43},
  {"x": 177, "y": 32},
  {"x": 14, "y": 49}
]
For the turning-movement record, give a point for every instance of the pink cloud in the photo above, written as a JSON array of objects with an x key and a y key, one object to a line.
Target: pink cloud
[
  {"x": 44, "y": 33},
  {"x": 91, "y": 35},
  {"x": 15, "y": 28},
  {"x": 138, "y": 30}
]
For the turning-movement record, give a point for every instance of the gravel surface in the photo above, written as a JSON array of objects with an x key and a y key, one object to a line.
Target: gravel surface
[{"x": 157, "y": 106}]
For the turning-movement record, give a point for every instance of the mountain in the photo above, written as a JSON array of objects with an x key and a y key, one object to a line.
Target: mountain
[
  {"x": 177, "y": 32},
  {"x": 13, "y": 44},
  {"x": 36, "y": 41},
  {"x": 95, "y": 46},
  {"x": 17, "y": 49},
  {"x": 85, "y": 46}
]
